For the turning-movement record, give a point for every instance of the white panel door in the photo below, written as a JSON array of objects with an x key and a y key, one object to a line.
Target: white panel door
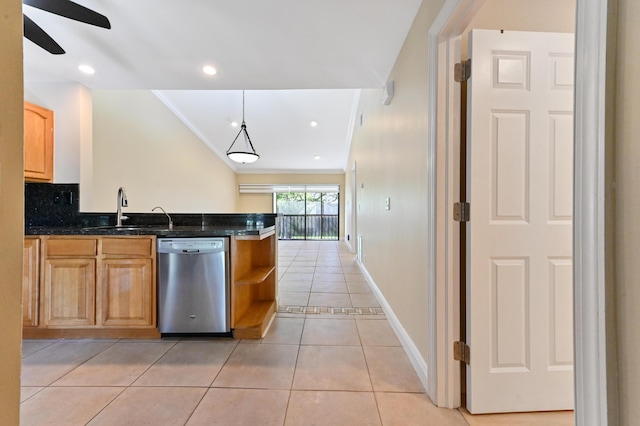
[{"x": 519, "y": 242}]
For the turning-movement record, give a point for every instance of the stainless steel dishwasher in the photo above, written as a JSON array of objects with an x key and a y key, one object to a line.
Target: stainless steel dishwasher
[{"x": 193, "y": 285}]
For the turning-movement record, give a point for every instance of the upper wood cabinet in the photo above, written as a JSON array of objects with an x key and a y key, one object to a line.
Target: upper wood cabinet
[{"x": 38, "y": 143}]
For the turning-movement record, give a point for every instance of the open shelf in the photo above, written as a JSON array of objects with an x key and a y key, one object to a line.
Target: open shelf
[
  {"x": 255, "y": 275},
  {"x": 256, "y": 320},
  {"x": 253, "y": 284}
]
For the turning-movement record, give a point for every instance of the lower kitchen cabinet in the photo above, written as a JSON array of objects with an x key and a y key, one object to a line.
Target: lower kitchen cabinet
[
  {"x": 30, "y": 282},
  {"x": 69, "y": 292},
  {"x": 105, "y": 286},
  {"x": 128, "y": 293},
  {"x": 90, "y": 287}
]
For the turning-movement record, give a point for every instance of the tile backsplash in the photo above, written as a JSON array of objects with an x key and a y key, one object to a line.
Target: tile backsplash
[{"x": 51, "y": 204}]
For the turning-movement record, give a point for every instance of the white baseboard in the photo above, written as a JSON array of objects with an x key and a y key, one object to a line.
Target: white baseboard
[
  {"x": 348, "y": 244},
  {"x": 415, "y": 357}
]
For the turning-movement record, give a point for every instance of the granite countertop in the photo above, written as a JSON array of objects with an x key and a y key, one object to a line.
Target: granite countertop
[
  {"x": 53, "y": 209},
  {"x": 158, "y": 230}
]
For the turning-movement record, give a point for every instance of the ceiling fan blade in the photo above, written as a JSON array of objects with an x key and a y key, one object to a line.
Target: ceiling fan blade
[
  {"x": 71, "y": 10},
  {"x": 37, "y": 35}
]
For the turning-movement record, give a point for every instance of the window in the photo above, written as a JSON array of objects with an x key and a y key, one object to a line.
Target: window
[
  {"x": 308, "y": 215},
  {"x": 306, "y": 211}
]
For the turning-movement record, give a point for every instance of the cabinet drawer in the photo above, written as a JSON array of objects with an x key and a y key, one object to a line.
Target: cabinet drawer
[
  {"x": 72, "y": 247},
  {"x": 127, "y": 246}
]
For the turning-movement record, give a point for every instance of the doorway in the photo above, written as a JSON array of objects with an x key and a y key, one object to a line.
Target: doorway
[
  {"x": 307, "y": 215},
  {"x": 589, "y": 324}
]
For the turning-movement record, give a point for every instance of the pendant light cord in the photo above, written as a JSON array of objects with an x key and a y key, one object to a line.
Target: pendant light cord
[{"x": 243, "y": 107}]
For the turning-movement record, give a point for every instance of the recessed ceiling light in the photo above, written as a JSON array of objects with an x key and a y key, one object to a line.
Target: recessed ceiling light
[
  {"x": 313, "y": 123},
  {"x": 208, "y": 69},
  {"x": 234, "y": 124},
  {"x": 86, "y": 69},
  {"x": 316, "y": 157}
]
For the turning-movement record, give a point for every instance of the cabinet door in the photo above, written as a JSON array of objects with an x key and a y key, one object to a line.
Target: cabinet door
[
  {"x": 69, "y": 292},
  {"x": 128, "y": 294},
  {"x": 38, "y": 143},
  {"x": 30, "y": 282}
]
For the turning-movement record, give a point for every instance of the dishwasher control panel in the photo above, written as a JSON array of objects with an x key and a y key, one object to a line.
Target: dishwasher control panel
[{"x": 192, "y": 245}]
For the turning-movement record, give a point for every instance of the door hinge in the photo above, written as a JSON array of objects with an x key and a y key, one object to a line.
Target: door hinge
[
  {"x": 461, "y": 212},
  {"x": 461, "y": 352},
  {"x": 462, "y": 71}
]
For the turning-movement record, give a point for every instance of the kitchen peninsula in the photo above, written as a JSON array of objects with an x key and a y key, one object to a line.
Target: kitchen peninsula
[{"x": 85, "y": 277}]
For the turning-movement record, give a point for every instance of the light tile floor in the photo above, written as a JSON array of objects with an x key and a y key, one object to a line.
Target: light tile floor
[{"x": 329, "y": 358}]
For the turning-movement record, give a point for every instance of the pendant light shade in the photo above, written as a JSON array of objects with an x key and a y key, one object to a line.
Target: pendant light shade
[{"x": 244, "y": 152}]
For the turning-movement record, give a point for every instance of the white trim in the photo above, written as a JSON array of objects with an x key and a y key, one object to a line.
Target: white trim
[
  {"x": 442, "y": 245},
  {"x": 416, "y": 359},
  {"x": 589, "y": 171},
  {"x": 352, "y": 124},
  {"x": 432, "y": 386},
  {"x": 589, "y": 281},
  {"x": 348, "y": 244}
]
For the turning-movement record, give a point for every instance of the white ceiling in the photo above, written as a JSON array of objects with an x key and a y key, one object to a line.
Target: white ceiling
[{"x": 298, "y": 60}]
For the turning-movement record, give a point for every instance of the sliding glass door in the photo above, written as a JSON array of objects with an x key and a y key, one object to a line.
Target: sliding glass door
[{"x": 308, "y": 215}]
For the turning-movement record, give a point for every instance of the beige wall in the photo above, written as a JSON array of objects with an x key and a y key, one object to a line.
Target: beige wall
[
  {"x": 556, "y": 16},
  {"x": 140, "y": 144},
  {"x": 627, "y": 206},
  {"x": 11, "y": 209},
  {"x": 263, "y": 203},
  {"x": 527, "y": 15},
  {"x": 390, "y": 152}
]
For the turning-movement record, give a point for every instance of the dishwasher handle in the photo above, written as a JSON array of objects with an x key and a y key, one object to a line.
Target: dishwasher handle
[{"x": 191, "y": 251}]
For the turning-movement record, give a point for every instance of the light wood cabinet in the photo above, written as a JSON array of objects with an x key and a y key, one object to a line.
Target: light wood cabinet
[
  {"x": 30, "y": 282},
  {"x": 128, "y": 277},
  {"x": 91, "y": 287},
  {"x": 253, "y": 277},
  {"x": 71, "y": 247},
  {"x": 38, "y": 143},
  {"x": 69, "y": 292},
  {"x": 105, "y": 286}
]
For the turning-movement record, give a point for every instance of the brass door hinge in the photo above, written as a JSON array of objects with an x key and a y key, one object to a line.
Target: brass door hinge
[
  {"x": 461, "y": 352},
  {"x": 462, "y": 71},
  {"x": 461, "y": 212}
]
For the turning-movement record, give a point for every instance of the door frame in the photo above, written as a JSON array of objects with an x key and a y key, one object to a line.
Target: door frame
[{"x": 590, "y": 359}]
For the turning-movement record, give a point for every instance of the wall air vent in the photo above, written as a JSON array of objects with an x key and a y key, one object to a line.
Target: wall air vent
[{"x": 387, "y": 93}]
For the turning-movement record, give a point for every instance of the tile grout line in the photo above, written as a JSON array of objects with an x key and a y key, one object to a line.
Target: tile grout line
[
  {"x": 295, "y": 370},
  {"x": 304, "y": 310}
]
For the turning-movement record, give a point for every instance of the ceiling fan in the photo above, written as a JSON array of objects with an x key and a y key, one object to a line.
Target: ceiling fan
[{"x": 65, "y": 8}]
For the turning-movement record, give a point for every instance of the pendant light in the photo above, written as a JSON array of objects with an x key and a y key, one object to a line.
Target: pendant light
[{"x": 248, "y": 155}]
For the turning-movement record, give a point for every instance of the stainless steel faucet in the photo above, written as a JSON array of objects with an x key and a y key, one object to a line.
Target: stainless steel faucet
[
  {"x": 122, "y": 202},
  {"x": 170, "y": 221}
]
